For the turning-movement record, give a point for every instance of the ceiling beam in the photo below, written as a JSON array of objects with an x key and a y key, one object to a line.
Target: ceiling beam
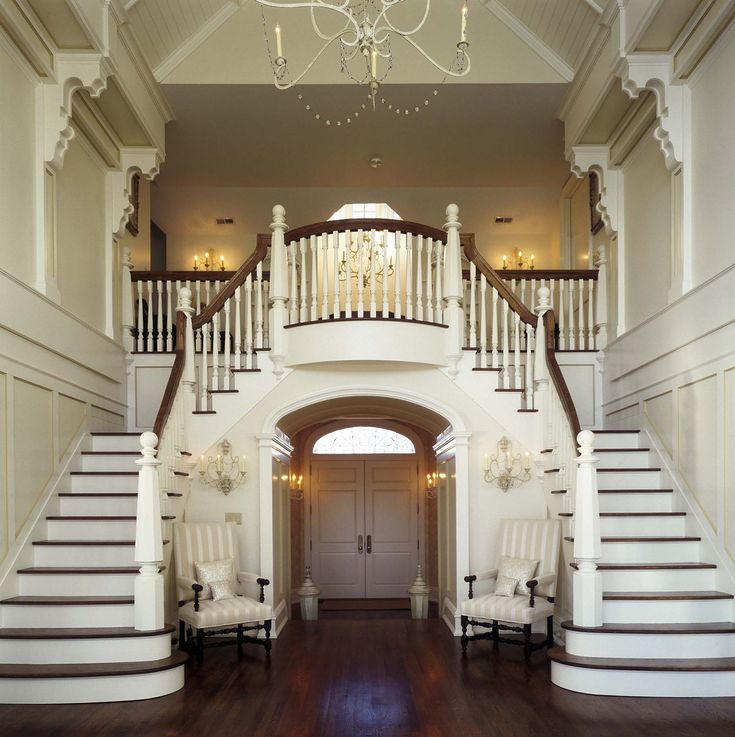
[{"x": 548, "y": 54}]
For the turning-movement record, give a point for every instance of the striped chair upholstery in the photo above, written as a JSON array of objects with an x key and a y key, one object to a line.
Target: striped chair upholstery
[{"x": 519, "y": 538}]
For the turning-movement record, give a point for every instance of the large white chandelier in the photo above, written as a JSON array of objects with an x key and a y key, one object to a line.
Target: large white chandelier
[{"x": 364, "y": 41}]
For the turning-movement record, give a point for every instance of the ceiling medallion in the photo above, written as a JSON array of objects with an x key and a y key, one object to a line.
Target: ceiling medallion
[{"x": 364, "y": 44}]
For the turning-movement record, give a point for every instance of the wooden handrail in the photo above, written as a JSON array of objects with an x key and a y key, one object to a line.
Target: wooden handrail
[
  {"x": 493, "y": 278},
  {"x": 174, "y": 378},
  {"x": 547, "y": 274},
  {"x": 181, "y": 275},
  {"x": 329, "y": 226},
  {"x": 558, "y": 378}
]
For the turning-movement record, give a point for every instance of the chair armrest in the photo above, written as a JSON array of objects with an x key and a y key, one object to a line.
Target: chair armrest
[
  {"x": 246, "y": 577},
  {"x": 538, "y": 581},
  {"x": 185, "y": 584},
  {"x": 481, "y": 576},
  {"x": 197, "y": 590}
]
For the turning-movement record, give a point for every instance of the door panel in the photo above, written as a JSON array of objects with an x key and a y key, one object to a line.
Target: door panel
[
  {"x": 338, "y": 518},
  {"x": 391, "y": 521}
]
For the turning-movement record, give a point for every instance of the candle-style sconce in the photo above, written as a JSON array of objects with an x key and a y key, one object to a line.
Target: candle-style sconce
[
  {"x": 521, "y": 261},
  {"x": 506, "y": 469},
  {"x": 432, "y": 482},
  {"x": 209, "y": 262},
  {"x": 297, "y": 490},
  {"x": 225, "y": 472}
]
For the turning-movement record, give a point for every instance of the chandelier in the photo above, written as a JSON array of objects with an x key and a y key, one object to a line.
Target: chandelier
[
  {"x": 225, "y": 472},
  {"x": 363, "y": 260},
  {"x": 364, "y": 41},
  {"x": 505, "y": 469}
]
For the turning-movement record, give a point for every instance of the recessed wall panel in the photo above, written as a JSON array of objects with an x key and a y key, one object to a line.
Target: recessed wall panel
[
  {"x": 71, "y": 416},
  {"x": 660, "y": 413}
]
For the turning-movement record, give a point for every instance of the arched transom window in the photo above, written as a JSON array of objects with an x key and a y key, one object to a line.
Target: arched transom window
[
  {"x": 366, "y": 210},
  {"x": 362, "y": 440}
]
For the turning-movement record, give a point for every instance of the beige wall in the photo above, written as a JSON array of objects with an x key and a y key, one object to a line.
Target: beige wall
[
  {"x": 713, "y": 160},
  {"x": 647, "y": 205},
  {"x": 17, "y": 154},
  {"x": 80, "y": 234},
  {"x": 187, "y": 216}
]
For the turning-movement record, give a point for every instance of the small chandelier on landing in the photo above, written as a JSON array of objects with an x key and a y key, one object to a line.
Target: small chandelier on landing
[
  {"x": 364, "y": 41},
  {"x": 362, "y": 258},
  {"x": 506, "y": 469}
]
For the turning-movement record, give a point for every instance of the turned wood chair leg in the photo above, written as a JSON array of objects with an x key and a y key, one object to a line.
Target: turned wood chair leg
[
  {"x": 267, "y": 644},
  {"x": 495, "y": 633},
  {"x": 200, "y": 645},
  {"x": 240, "y": 639},
  {"x": 464, "y": 621},
  {"x": 527, "y": 642},
  {"x": 182, "y": 635},
  {"x": 550, "y": 631}
]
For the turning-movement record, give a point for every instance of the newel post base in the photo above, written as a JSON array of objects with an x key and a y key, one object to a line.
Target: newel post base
[
  {"x": 149, "y": 598},
  {"x": 587, "y": 591}
]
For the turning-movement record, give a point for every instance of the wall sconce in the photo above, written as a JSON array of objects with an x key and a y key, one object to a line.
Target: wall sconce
[
  {"x": 225, "y": 472},
  {"x": 297, "y": 492},
  {"x": 432, "y": 482},
  {"x": 521, "y": 261},
  {"x": 208, "y": 262},
  {"x": 505, "y": 469}
]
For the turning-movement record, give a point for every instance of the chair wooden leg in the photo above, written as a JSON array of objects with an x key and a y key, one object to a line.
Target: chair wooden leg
[
  {"x": 267, "y": 644},
  {"x": 495, "y": 633},
  {"x": 464, "y": 621},
  {"x": 239, "y": 639},
  {"x": 182, "y": 635},
  {"x": 527, "y": 642},
  {"x": 200, "y": 645},
  {"x": 550, "y": 631}
]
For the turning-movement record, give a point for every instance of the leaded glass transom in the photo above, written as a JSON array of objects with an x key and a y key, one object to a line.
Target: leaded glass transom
[{"x": 362, "y": 440}]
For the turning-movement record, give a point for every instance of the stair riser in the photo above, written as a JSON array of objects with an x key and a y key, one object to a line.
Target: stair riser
[
  {"x": 82, "y": 504},
  {"x": 671, "y": 580},
  {"x": 109, "y": 463},
  {"x": 643, "y": 552},
  {"x": 115, "y": 529},
  {"x": 649, "y": 502},
  {"x": 624, "y": 459},
  {"x": 616, "y": 440},
  {"x": 103, "y": 615},
  {"x": 102, "y": 650},
  {"x": 80, "y": 555},
  {"x": 642, "y": 683},
  {"x": 116, "y": 442},
  {"x": 598, "y": 645},
  {"x": 90, "y": 690},
  {"x": 628, "y": 479},
  {"x": 651, "y": 612},
  {"x": 645, "y": 526},
  {"x": 99, "y": 483},
  {"x": 71, "y": 584}
]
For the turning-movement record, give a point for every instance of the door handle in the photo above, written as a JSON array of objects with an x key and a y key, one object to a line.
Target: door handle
[
  {"x": 370, "y": 543},
  {"x": 359, "y": 544}
]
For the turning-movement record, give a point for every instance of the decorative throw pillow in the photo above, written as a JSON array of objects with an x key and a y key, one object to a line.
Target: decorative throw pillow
[
  {"x": 505, "y": 586},
  {"x": 222, "y": 590},
  {"x": 521, "y": 569},
  {"x": 214, "y": 570}
]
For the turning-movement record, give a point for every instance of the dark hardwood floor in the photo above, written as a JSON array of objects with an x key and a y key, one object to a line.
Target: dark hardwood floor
[{"x": 375, "y": 674}]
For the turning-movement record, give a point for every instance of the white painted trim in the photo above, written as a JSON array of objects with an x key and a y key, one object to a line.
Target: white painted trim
[
  {"x": 280, "y": 618},
  {"x": 450, "y": 615},
  {"x": 192, "y": 43},
  {"x": 526, "y": 35},
  {"x": 595, "y": 6}
]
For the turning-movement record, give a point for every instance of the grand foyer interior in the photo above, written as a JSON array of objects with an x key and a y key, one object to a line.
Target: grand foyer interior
[{"x": 594, "y": 135}]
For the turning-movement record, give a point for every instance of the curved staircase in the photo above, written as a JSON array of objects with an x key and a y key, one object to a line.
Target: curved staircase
[
  {"x": 670, "y": 631},
  {"x": 68, "y": 636}
]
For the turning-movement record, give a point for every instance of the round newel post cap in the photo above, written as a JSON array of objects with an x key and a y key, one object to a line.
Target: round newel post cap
[
  {"x": 279, "y": 217},
  {"x": 586, "y": 440},
  {"x": 148, "y": 442},
  {"x": 184, "y": 297},
  {"x": 452, "y": 212}
]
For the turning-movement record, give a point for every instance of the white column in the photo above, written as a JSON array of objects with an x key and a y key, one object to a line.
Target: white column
[
  {"x": 149, "y": 611},
  {"x": 601, "y": 306},
  {"x": 587, "y": 580},
  {"x": 128, "y": 306},
  {"x": 454, "y": 315},
  {"x": 278, "y": 290}
]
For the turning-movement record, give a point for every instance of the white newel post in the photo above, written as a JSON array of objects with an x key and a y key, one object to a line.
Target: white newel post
[
  {"x": 149, "y": 603},
  {"x": 540, "y": 372},
  {"x": 128, "y": 307},
  {"x": 278, "y": 290},
  {"x": 587, "y": 609},
  {"x": 600, "y": 262},
  {"x": 453, "y": 290},
  {"x": 189, "y": 378}
]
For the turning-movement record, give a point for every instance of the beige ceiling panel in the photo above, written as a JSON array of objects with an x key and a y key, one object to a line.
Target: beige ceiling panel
[
  {"x": 60, "y": 23},
  {"x": 667, "y": 24}
]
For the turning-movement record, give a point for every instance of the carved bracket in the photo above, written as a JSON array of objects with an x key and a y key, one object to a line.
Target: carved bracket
[
  {"x": 74, "y": 71},
  {"x": 648, "y": 71},
  {"x": 144, "y": 160},
  {"x": 586, "y": 158}
]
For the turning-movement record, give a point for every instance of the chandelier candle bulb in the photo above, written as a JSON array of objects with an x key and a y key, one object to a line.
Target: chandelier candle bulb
[
  {"x": 219, "y": 463},
  {"x": 463, "y": 33},
  {"x": 487, "y": 462},
  {"x": 242, "y": 464},
  {"x": 196, "y": 263},
  {"x": 222, "y": 263},
  {"x": 374, "y": 63},
  {"x": 279, "y": 42},
  {"x": 505, "y": 262},
  {"x": 201, "y": 464}
]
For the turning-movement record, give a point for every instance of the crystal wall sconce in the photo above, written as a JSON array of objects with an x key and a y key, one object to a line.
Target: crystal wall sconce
[
  {"x": 505, "y": 469},
  {"x": 225, "y": 472}
]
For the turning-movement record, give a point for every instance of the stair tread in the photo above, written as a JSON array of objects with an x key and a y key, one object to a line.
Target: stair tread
[
  {"x": 614, "y": 432},
  {"x": 98, "y": 517},
  {"x": 104, "y": 473},
  {"x": 223, "y": 391},
  {"x": 622, "y": 450},
  {"x": 559, "y": 655},
  {"x": 632, "y": 514},
  {"x": 110, "y": 452},
  {"x": 78, "y": 633},
  {"x": 67, "y": 600},
  {"x": 81, "y": 670},
  {"x": 87, "y": 542},
  {"x": 116, "y": 434},
  {"x": 627, "y": 470},
  {"x": 635, "y": 491},
  {"x": 664, "y": 595},
  {"x": 66, "y": 570},
  {"x": 671, "y": 539},
  {"x": 650, "y": 566},
  {"x": 95, "y": 494},
  {"x": 681, "y": 628}
]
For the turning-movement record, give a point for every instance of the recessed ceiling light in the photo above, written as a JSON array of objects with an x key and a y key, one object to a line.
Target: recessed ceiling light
[
  {"x": 376, "y": 162},
  {"x": 225, "y": 221},
  {"x": 503, "y": 219}
]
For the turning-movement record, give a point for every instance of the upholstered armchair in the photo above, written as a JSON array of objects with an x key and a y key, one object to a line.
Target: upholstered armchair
[
  {"x": 520, "y": 590},
  {"x": 213, "y": 594}
]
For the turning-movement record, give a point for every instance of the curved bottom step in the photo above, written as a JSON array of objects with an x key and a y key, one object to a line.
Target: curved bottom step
[
  {"x": 91, "y": 682},
  {"x": 678, "y": 678}
]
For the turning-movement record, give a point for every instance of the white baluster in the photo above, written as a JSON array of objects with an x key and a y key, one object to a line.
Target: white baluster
[
  {"x": 523, "y": 291},
  {"x": 506, "y": 352},
  {"x": 314, "y": 281},
  {"x": 259, "y": 305},
  {"x": 249, "y": 321},
  {"x": 419, "y": 279},
  {"x": 494, "y": 330},
  {"x": 552, "y": 285},
  {"x": 532, "y": 300},
  {"x": 207, "y": 291},
  {"x": 561, "y": 321},
  {"x": 572, "y": 332},
  {"x": 601, "y": 298},
  {"x": 127, "y": 316},
  {"x": 149, "y": 321},
  {"x": 197, "y": 309},
  {"x": 304, "y": 289},
  {"x": 204, "y": 370},
  {"x": 293, "y": 301},
  {"x": 337, "y": 288},
  {"x": 409, "y": 276},
  {"x": 167, "y": 343},
  {"x": 528, "y": 388},
  {"x": 516, "y": 351},
  {"x": 590, "y": 314},
  {"x": 397, "y": 279},
  {"x": 429, "y": 281},
  {"x": 361, "y": 272},
  {"x": 215, "y": 352},
  {"x": 348, "y": 272},
  {"x": 483, "y": 321},
  {"x": 384, "y": 285},
  {"x": 323, "y": 241},
  {"x": 266, "y": 314},
  {"x": 238, "y": 328},
  {"x": 140, "y": 344},
  {"x": 226, "y": 371},
  {"x": 580, "y": 316},
  {"x": 371, "y": 264},
  {"x": 159, "y": 317},
  {"x": 438, "y": 306},
  {"x": 473, "y": 309}
]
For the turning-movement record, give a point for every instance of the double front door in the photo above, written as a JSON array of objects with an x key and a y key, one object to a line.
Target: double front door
[{"x": 364, "y": 527}]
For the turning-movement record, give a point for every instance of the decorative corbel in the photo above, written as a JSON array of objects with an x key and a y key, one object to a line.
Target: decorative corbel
[
  {"x": 585, "y": 158},
  {"x": 144, "y": 160},
  {"x": 651, "y": 71},
  {"x": 74, "y": 71}
]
